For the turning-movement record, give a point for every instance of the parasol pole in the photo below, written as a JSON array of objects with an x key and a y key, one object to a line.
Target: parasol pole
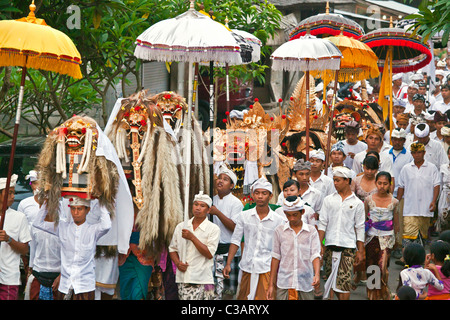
[
  {"x": 13, "y": 145},
  {"x": 307, "y": 112},
  {"x": 188, "y": 136},
  {"x": 227, "y": 78},
  {"x": 390, "y": 54},
  {"x": 330, "y": 123}
]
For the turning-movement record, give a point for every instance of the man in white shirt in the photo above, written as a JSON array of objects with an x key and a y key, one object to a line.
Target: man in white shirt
[
  {"x": 434, "y": 151},
  {"x": 400, "y": 157},
  {"x": 78, "y": 240},
  {"x": 352, "y": 145},
  {"x": 224, "y": 211},
  {"x": 341, "y": 224},
  {"x": 440, "y": 120},
  {"x": 413, "y": 89},
  {"x": 295, "y": 255},
  {"x": 419, "y": 185},
  {"x": 318, "y": 179},
  {"x": 374, "y": 141},
  {"x": 14, "y": 240},
  {"x": 29, "y": 206},
  {"x": 444, "y": 104},
  {"x": 312, "y": 196},
  {"x": 399, "y": 89},
  {"x": 256, "y": 226},
  {"x": 192, "y": 249}
]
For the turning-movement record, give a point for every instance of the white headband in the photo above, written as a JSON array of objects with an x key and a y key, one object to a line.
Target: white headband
[
  {"x": 421, "y": 133},
  {"x": 77, "y": 201},
  {"x": 12, "y": 184},
  {"x": 203, "y": 198},
  {"x": 262, "y": 183},
  {"x": 445, "y": 131},
  {"x": 343, "y": 172},
  {"x": 317, "y": 154},
  {"x": 32, "y": 176},
  {"x": 296, "y": 205},
  {"x": 398, "y": 133},
  {"x": 224, "y": 169}
]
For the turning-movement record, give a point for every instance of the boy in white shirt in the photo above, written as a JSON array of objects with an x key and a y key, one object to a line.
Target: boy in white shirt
[
  {"x": 296, "y": 251},
  {"x": 224, "y": 211},
  {"x": 192, "y": 249},
  {"x": 352, "y": 145},
  {"x": 14, "y": 240},
  {"x": 78, "y": 246}
]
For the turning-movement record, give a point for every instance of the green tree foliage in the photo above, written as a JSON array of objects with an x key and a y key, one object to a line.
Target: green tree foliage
[
  {"x": 105, "y": 37},
  {"x": 432, "y": 18}
]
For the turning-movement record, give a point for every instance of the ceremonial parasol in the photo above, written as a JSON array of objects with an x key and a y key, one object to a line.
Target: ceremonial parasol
[
  {"x": 358, "y": 63},
  {"x": 307, "y": 53},
  {"x": 30, "y": 43},
  {"x": 328, "y": 24},
  {"x": 398, "y": 50},
  {"x": 255, "y": 44},
  {"x": 194, "y": 38}
]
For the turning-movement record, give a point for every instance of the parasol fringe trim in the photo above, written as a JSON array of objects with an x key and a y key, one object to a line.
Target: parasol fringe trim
[{"x": 54, "y": 64}]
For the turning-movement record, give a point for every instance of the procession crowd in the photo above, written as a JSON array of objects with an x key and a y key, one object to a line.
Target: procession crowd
[{"x": 383, "y": 194}]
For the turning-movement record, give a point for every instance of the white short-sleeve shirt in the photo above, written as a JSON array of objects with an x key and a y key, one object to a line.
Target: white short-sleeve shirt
[{"x": 16, "y": 226}]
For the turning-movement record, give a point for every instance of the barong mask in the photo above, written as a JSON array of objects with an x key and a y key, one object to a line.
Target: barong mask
[
  {"x": 172, "y": 106},
  {"x": 253, "y": 139},
  {"x": 69, "y": 167},
  {"x": 135, "y": 119}
]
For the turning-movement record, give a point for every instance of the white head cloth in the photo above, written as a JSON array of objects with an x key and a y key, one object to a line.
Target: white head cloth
[
  {"x": 77, "y": 201},
  {"x": 262, "y": 183},
  {"x": 295, "y": 205},
  {"x": 317, "y": 154},
  {"x": 397, "y": 76},
  {"x": 445, "y": 131},
  {"x": 422, "y": 133},
  {"x": 343, "y": 172},
  {"x": 203, "y": 198},
  {"x": 224, "y": 169},
  {"x": 32, "y": 176},
  {"x": 12, "y": 184},
  {"x": 399, "y": 133},
  {"x": 429, "y": 116}
]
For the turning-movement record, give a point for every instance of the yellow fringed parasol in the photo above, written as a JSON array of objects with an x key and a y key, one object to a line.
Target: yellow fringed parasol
[
  {"x": 359, "y": 62},
  {"x": 30, "y": 43}
]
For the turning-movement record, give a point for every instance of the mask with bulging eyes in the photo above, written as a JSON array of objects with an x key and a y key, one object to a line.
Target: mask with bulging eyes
[
  {"x": 135, "y": 121},
  {"x": 75, "y": 133}
]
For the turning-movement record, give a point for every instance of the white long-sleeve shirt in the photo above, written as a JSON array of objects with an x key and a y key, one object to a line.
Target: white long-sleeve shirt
[
  {"x": 78, "y": 246},
  {"x": 258, "y": 239},
  {"x": 342, "y": 220}
]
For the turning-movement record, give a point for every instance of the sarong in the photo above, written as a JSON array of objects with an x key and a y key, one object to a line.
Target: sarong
[
  {"x": 415, "y": 229},
  {"x": 375, "y": 255},
  {"x": 338, "y": 269},
  {"x": 225, "y": 285},
  {"x": 188, "y": 291},
  {"x": 253, "y": 286},
  {"x": 9, "y": 292},
  {"x": 134, "y": 278}
]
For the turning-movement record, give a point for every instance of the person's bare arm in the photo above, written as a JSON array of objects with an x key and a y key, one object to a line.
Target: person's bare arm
[
  {"x": 19, "y": 247},
  {"x": 201, "y": 247}
]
